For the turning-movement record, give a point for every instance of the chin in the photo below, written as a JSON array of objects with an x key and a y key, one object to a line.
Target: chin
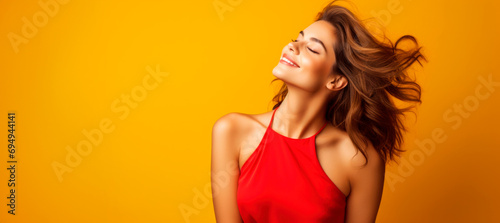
[
  {"x": 283, "y": 75},
  {"x": 280, "y": 73}
]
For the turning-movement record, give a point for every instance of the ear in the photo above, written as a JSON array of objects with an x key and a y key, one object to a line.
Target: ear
[{"x": 337, "y": 82}]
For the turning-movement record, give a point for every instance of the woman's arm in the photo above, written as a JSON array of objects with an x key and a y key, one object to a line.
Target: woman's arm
[
  {"x": 366, "y": 188},
  {"x": 225, "y": 170}
]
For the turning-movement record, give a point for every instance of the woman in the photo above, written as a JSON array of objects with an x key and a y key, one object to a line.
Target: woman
[{"x": 320, "y": 155}]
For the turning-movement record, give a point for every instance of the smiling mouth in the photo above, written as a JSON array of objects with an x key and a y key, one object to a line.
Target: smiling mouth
[{"x": 286, "y": 61}]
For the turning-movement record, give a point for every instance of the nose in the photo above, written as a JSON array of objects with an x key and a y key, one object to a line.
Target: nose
[{"x": 292, "y": 48}]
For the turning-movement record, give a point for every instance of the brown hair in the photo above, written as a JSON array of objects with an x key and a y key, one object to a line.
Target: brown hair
[{"x": 375, "y": 71}]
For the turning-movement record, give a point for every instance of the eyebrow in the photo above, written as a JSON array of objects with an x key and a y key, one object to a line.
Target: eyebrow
[{"x": 314, "y": 39}]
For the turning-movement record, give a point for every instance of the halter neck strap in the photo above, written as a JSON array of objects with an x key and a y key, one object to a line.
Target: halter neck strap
[{"x": 272, "y": 119}]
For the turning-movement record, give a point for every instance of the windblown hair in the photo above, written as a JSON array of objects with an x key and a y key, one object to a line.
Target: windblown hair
[{"x": 375, "y": 70}]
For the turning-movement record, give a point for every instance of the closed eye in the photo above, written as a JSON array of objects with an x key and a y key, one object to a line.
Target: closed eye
[{"x": 312, "y": 50}]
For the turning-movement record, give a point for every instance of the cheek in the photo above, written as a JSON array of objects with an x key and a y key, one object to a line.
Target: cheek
[
  {"x": 315, "y": 68},
  {"x": 313, "y": 72}
]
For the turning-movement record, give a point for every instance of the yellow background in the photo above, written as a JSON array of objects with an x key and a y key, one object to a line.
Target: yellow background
[{"x": 82, "y": 60}]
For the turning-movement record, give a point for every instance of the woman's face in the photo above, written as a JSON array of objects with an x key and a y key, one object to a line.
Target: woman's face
[{"x": 312, "y": 53}]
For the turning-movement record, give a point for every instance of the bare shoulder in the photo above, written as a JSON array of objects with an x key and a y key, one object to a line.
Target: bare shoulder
[
  {"x": 354, "y": 159},
  {"x": 226, "y": 123},
  {"x": 241, "y": 132},
  {"x": 349, "y": 158},
  {"x": 236, "y": 126},
  {"x": 226, "y": 128},
  {"x": 235, "y": 122}
]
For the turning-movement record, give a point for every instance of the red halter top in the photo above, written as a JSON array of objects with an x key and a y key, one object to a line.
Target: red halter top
[{"x": 283, "y": 181}]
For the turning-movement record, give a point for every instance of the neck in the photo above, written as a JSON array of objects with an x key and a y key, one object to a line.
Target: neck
[{"x": 300, "y": 115}]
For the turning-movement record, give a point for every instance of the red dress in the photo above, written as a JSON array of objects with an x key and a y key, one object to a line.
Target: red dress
[{"x": 283, "y": 181}]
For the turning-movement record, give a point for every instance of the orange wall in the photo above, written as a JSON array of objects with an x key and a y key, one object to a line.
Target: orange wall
[{"x": 115, "y": 102}]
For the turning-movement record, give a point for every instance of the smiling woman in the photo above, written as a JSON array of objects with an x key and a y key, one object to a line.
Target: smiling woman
[{"x": 336, "y": 100}]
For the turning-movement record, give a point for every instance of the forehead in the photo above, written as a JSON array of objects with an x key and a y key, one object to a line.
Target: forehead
[{"x": 322, "y": 30}]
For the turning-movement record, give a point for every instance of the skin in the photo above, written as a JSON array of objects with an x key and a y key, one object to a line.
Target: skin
[{"x": 235, "y": 135}]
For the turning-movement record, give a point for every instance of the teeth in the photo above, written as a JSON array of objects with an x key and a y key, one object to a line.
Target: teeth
[{"x": 288, "y": 61}]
